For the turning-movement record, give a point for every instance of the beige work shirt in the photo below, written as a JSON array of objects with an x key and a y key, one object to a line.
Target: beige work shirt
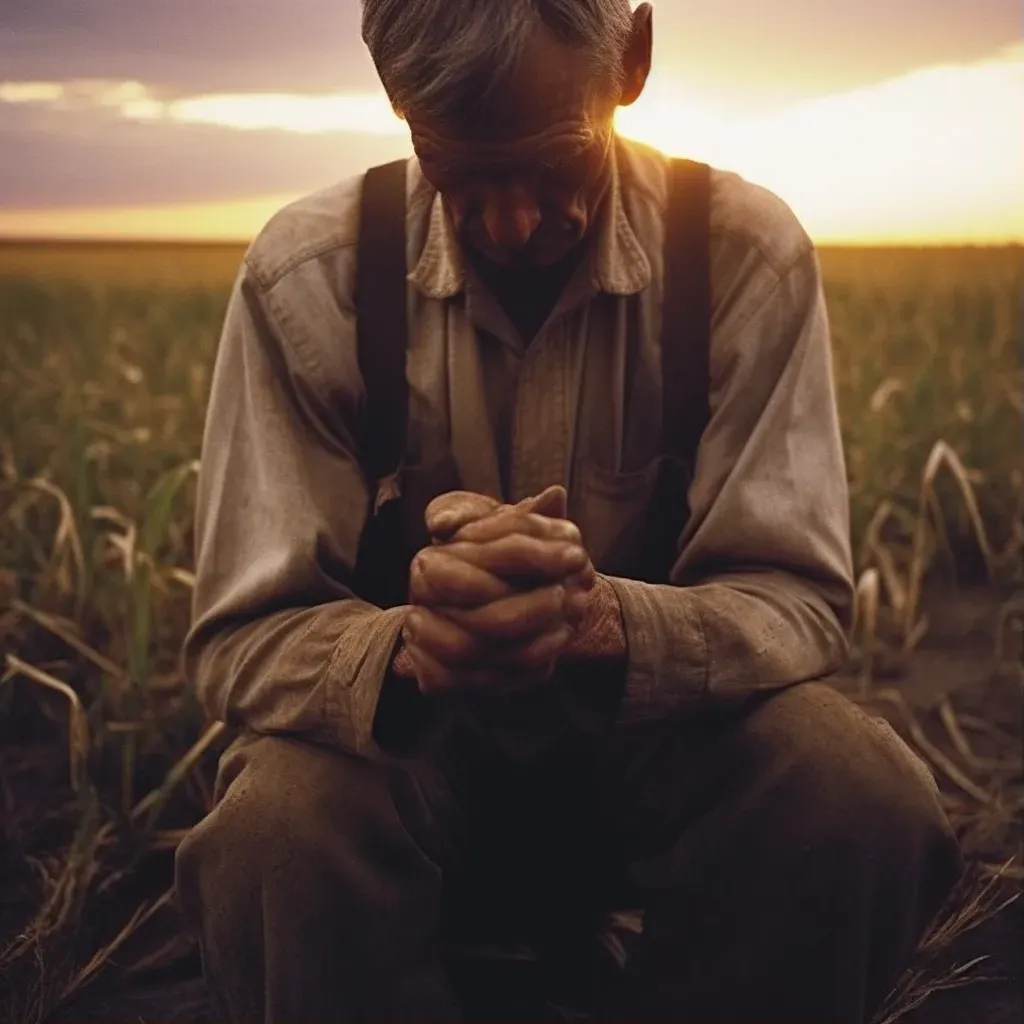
[{"x": 280, "y": 645}]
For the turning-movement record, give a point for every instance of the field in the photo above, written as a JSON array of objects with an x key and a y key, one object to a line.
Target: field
[{"x": 105, "y": 358}]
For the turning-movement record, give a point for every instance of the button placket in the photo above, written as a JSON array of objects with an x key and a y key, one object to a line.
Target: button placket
[
  {"x": 472, "y": 431},
  {"x": 540, "y": 435}
]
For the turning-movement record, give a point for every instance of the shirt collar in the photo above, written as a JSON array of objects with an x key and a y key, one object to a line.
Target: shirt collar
[{"x": 618, "y": 263}]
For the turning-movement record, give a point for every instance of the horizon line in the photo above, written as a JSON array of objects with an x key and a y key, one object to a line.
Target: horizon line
[{"x": 237, "y": 241}]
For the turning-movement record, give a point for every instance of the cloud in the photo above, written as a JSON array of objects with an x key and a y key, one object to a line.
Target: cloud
[
  {"x": 207, "y": 46},
  {"x": 187, "y": 45},
  {"x": 105, "y": 160},
  {"x": 795, "y": 48},
  {"x": 128, "y": 146},
  {"x": 131, "y": 100},
  {"x": 368, "y": 112},
  {"x": 932, "y": 154},
  {"x": 31, "y": 92}
]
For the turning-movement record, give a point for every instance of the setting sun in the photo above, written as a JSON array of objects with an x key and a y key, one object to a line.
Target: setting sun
[{"x": 930, "y": 156}]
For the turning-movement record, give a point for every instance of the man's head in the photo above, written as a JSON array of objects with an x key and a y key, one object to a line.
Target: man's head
[{"x": 510, "y": 105}]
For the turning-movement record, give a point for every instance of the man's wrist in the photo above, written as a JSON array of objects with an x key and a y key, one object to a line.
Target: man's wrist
[
  {"x": 601, "y": 635},
  {"x": 401, "y": 662}
]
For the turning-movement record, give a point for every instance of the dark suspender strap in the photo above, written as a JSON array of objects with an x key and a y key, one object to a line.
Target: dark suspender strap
[
  {"x": 685, "y": 342},
  {"x": 382, "y": 339},
  {"x": 686, "y": 310},
  {"x": 382, "y": 335},
  {"x": 382, "y": 331}
]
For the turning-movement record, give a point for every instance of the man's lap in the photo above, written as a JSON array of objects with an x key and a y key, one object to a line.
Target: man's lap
[
  {"x": 763, "y": 844},
  {"x": 580, "y": 824}
]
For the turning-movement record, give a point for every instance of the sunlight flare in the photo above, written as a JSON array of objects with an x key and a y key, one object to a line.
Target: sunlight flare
[{"x": 934, "y": 155}]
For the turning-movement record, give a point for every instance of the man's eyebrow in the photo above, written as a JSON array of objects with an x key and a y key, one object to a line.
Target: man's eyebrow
[{"x": 556, "y": 144}]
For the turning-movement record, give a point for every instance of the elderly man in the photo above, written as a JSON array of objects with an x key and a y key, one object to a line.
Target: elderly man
[{"x": 522, "y": 544}]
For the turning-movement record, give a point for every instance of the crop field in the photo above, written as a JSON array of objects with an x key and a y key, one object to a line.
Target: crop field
[{"x": 105, "y": 360}]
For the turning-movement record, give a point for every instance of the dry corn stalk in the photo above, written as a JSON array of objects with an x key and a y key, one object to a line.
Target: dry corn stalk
[
  {"x": 866, "y": 617},
  {"x": 67, "y": 544},
  {"x": 78, "y": 725},
  {"x": 941, "y": 455}
]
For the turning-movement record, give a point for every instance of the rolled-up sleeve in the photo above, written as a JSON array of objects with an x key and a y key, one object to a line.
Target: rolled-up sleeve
[
  {"x": 280, "y": 643},
  {"x": 761, "y": 592}
]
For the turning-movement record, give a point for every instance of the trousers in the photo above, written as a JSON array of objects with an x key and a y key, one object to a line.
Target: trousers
[{"x": 787, "y": 854}]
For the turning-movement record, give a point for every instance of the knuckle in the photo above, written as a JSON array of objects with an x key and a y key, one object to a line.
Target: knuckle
[{"x": 421, "y": 560}]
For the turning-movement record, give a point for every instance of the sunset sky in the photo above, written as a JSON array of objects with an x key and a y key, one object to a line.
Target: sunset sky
[{"x": 877, "y": 120}]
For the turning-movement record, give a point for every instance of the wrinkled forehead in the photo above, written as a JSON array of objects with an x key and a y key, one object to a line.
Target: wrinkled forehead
[
  {"x": 560, "y": 144},
  {"x": 549, "y": 100}
]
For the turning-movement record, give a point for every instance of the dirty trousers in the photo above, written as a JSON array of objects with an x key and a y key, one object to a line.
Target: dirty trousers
[{"x": 787, "y": 855}]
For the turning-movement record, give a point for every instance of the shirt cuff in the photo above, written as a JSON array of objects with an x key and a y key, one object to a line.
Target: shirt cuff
[
  {"x": 667, "y": 664},
  {"x": 364, "y": 661}
]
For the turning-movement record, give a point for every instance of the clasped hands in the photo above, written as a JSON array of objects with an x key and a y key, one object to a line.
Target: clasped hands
[{"x": 501, "y": 594}]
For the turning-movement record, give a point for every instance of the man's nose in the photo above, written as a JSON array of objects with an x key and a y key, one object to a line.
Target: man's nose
[{"x": 510, "y": 217}]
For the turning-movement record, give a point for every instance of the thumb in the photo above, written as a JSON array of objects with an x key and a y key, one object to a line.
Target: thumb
[
  {"x": 553, "y": 502},
  {"x": 449, "y": 512}
]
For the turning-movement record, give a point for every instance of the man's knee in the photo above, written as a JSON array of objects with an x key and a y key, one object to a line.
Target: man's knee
[
  {"x": 292, "y": 818},
  {"x": 849, "y": 781}
]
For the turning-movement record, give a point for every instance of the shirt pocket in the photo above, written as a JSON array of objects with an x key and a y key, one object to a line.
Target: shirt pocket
[
  {"x": 631, "y": 520},
  {"x": 609, "y": 507}
]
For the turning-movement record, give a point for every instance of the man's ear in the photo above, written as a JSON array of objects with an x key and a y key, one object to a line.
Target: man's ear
[{"x": 636, "y": 61}]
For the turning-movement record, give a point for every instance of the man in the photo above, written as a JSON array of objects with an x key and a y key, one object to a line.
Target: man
[{"x": 544, "y": 730}]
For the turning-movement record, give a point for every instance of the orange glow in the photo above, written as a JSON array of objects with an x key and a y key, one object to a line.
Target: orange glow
[
  {"x": 933, "y": 156},
  {"x": 368, "y": 113},
  {"x": 234, "y": 221}
]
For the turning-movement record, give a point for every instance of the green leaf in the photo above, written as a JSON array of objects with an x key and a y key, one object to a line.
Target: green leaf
[{"x": 160, "y": 503}]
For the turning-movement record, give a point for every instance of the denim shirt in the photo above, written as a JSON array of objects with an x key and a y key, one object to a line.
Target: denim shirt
[{"x": 762, "y": 587}]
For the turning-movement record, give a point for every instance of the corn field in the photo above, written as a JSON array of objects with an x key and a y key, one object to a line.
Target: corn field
[{"x": 105, "y": 360}]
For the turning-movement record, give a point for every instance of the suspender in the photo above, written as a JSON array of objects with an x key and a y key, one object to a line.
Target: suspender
[
  {"x": 382, "y": 335},
  {"x": 382, "y": 332},
  {"x": 685, "y": 348},
  {"x": 686, "y": 309},
  {"x": 380, "y": 296}
]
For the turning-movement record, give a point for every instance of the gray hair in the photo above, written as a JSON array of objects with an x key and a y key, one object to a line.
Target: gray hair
[{"x": 440, "y": 57}]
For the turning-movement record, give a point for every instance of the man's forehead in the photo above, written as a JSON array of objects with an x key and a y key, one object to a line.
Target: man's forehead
[
  {"x": 555, "y": 145},
  {"x": 549, "y": 89}
]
